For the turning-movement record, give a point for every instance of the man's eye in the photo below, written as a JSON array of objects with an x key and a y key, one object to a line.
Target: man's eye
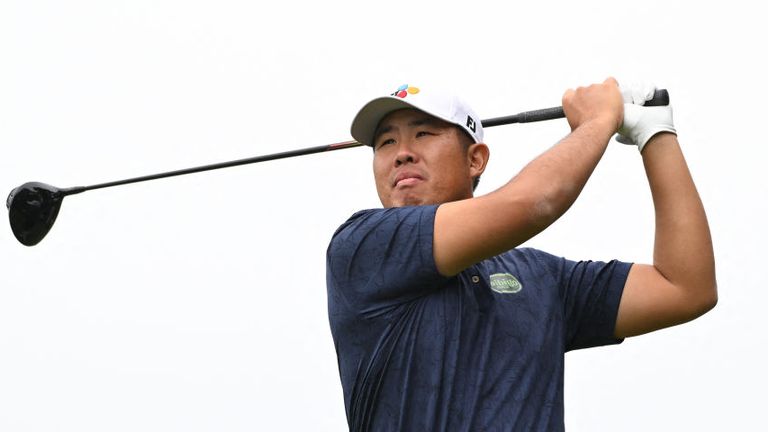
[
  {"x": 422, "y": 133},
  {"x": 385, "y": 142}
]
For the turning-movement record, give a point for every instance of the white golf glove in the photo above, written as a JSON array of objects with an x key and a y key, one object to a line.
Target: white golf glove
[{"x": 641, "y": 122}]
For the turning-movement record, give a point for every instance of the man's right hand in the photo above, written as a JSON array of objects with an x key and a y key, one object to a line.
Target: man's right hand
[{"x": 601, "y": 104}]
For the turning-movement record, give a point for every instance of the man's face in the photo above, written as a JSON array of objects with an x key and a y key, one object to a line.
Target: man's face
[{"x": 419, "y": 159}]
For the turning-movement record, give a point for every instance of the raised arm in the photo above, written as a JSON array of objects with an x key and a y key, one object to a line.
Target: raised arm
[
  {"x": 680, "y": 285},
  {"x": 471, "y": 230}
]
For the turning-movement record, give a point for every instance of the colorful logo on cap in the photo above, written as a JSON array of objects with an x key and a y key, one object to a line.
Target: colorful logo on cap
[{"x": 404, "y": 90}]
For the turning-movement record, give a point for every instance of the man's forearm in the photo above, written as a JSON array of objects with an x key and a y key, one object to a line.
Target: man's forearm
[
  {"x": 526, "y": 205},
  {"x": 539, "y": 194},
  {"x": 683, "y": 246},
  {"x": 557, "y": 177}
]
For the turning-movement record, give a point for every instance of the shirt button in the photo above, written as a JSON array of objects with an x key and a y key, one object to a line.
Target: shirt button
[{"x": 475, "y": 279}]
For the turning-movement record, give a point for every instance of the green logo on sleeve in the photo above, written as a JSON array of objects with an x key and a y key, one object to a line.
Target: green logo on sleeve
[{"x": 505, "y": 283}]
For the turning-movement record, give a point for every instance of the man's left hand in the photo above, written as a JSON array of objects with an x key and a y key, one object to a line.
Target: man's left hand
[{"x": 641, "y": 123}]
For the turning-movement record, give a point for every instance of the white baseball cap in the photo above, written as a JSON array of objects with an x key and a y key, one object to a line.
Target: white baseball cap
[{"x": 444, "y": 106}]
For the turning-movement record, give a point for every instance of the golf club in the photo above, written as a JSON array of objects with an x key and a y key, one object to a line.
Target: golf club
[{"x": 33, "y": 206}]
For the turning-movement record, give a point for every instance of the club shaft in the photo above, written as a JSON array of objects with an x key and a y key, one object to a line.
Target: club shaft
[
  {"x": 255, "y": 159},
  {"x": 523, "y": 117},
  {"x": 274, "y": 156},
  {"x": 661, "y": 97}
]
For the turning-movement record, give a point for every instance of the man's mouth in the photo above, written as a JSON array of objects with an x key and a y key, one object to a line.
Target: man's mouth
[{"x": 407, "y": 179}]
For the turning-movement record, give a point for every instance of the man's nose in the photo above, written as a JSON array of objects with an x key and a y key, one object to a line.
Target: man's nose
[{"x": 405, "y": 154}]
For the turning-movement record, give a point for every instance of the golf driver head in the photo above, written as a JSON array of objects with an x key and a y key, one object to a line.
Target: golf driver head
[{"x": 32, "y": 210}]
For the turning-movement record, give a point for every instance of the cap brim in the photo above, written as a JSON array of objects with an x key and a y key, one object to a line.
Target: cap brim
[{"x": 368, "y": 118}]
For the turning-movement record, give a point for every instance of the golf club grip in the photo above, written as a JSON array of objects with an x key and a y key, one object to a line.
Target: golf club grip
[
  {"x": 660, "y": 98},
  {"x": 541, "y": 115}
]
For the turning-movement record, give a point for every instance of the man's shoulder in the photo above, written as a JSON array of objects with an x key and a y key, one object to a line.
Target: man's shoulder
[
  {"x": 359, "y": 216},
  {"x": 369, "y": 219}
]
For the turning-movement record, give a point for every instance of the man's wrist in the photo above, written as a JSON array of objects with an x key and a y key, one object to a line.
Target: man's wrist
[
  {"x": 659, "y": 137},
  {"x": 602, "y": 129}
]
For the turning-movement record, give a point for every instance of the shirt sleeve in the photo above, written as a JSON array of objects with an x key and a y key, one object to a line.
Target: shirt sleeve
[
  {"x": 591, "y": 292},
  {"x": 381, "y": 258}
]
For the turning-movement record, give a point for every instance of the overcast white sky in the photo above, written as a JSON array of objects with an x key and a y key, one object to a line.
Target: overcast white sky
[{"x": 198, "y": 303}]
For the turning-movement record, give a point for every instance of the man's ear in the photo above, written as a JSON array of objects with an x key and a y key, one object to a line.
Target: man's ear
[{"x": 477, "y": 154}]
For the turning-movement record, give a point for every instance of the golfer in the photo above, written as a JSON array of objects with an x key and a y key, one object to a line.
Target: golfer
[{"x": 440, "y": 321}]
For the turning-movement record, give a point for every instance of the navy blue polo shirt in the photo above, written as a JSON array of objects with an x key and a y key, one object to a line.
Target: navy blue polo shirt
[{"x": 480, "y": 351}]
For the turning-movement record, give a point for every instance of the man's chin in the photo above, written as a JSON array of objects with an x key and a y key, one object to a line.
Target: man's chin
[{"x": 410, "y": 200}]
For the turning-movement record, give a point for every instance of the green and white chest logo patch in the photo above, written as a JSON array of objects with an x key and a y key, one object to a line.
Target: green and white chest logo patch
[{"x": 505, "y": 283}]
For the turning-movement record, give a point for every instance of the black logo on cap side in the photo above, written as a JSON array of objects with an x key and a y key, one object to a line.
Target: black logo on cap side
[{"x": 471, "y": 124}]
